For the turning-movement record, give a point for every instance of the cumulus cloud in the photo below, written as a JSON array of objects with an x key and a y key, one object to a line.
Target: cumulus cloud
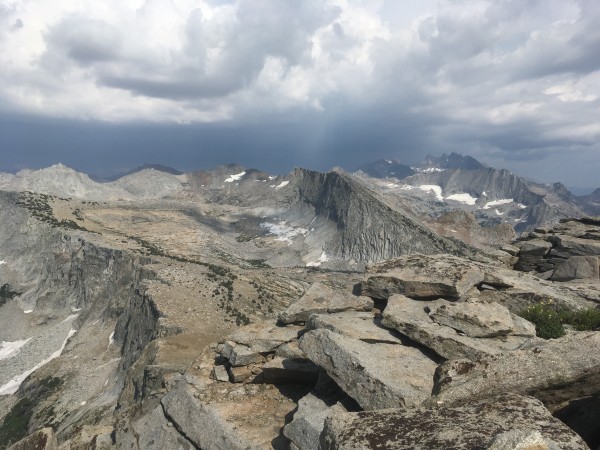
[{"x": 507, "y": 80}]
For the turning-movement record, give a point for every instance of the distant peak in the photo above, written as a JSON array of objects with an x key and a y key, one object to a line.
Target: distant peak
[{"x": 452, "y": 161}]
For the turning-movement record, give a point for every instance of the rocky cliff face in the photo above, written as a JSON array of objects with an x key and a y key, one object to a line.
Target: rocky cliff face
[{"x": 369, "y": 230}]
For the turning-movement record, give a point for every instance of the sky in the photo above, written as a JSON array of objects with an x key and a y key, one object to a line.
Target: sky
[{"x": 104, "y": 86}]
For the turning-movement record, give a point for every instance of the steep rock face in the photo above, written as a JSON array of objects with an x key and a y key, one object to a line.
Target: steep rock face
[{"x": 369, "y": 229}]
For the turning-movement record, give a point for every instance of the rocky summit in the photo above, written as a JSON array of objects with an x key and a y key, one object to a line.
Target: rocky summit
[{"x": 234, "y": 309}]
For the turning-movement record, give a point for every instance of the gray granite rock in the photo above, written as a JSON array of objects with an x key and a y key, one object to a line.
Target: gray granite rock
[
  {"x": 304, "y": 431},
  {"x": 43, "y": 439},
  {"x": 357, "y": 325},
  {"x": 554, "y": 371},
  {"x": 422, "y": 277},
  {"x": 249, "y": 344},
  {"x": 470, "y": 425},
  {"x": 221, "y": 373},
  {"x": 412, "y": 319},
  {"x": 577, "y": 267},
  {"x": 375, "y": 375},
  {"x": 320, "y": 298},
  {"x": 475, "y": 319},
  {"x": 202, "y": 424},
  {"x": 288, "y": 370}
]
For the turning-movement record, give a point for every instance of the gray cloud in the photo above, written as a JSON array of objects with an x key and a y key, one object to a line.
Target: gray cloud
[{"x": 319, "y": 83}]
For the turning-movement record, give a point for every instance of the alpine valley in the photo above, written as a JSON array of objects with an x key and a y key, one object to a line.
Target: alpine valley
[{"x": 387, "y": 308}]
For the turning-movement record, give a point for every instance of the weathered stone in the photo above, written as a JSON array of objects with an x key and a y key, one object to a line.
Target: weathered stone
[
  {"x": 577, "y": 267},
  {"x": 286, "y": 371},
  {"x": 249, "y": 344},
  {"x": 264, "y": 336},
  {"x": 470, "y": 425},
  {"x": 239, "y": 374},
  {"x": 155, "y": 432},
  {"x": 357, "y": 325},
  {"x": 290, "y": 351},
  {"x": 43, "y": 439},
  {"x": 309, "y": 420},
  {"x": 554, "y": 371},
  {"x": 221, "y": 373},
  {"x": 241, "y": 355},
  {"x": 422, "y": 277},
  {"x": 475, "y": 319},
  {"x": 567, "y": 246},
  {"x": 521, "y": 440},
  {"x": 231, "y": 417},
  {"x": 411, "y": 318},
  {"x": 375, "y": 375},
  {"x": 320, "y": 299},
  {"x": 535, "y": 247}
]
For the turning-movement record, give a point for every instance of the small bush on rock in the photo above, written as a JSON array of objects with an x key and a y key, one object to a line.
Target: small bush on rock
[
  {"x": 549, "y": 320},
  {"x": 546, "y": 320}
]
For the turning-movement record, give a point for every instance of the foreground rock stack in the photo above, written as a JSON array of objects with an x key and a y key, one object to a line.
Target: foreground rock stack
[{"x": 431, "y": 355}]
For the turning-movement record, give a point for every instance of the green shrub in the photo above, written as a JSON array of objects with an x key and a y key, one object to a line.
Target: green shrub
[
  {"x": 583, "y": 319},
  {"x": 547, "y": 321}
]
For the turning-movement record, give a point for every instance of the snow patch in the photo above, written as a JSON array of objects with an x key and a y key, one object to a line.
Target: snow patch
[
  {"x": 236, "y": 177},
  {"x": 391, "y": 185},
  {"x": 28, "y": 311},
  {"x": 282, "y": 184},
  {"x": 271, "y": 177},
  {"x": 502, "y": 201},
  {"x": 2, "y": 262},
  {"x": 437, "y": 190},
  {"x": 12, "y": 386},
  {"x": 483, "y": 193},
  {"x": 10, "y": 349},
  {"x": 407, "y": 187},
  {"x": 462, "y": 198},
  {"x": 499, "y": 213},
  {"x": 283, "y": 231},
  {"x": 71, "y": 317},
  {"x": 111, "y": 338},
  {"x": 323, "y": 258},
  {"x": 432, "y": 170},
  {"x": 521, "y": 206}
]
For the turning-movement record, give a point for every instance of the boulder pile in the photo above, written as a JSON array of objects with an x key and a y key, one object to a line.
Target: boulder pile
[
  {"x": 569, "y": 251},
  {"x": 431, "y": 354}
]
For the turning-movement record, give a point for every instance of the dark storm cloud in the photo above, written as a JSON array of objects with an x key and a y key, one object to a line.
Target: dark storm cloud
[{"x": 315, "y": 83}]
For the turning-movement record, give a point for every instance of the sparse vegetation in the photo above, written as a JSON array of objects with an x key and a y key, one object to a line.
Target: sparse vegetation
[
  {"x": 549, "y": 320},
  {"x": 15, "y": 425},
  {"x": 39, "y": 207}
]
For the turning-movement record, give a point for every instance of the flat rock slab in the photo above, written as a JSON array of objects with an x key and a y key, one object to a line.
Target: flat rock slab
[
  {"x": 249, "y": 344},
  {"x": 412, "y": 319},
  {"x": 422, "y": 277},
  {"x": 475, "y": 319},
  {"x": 357, "y": 325},
  {"x": 554, "y": 371},
  {"x": 320, "y": 299},
  {"x": 288, "y": 370},
  {"x": 474, "y": 425},
  {"x": 306, "y": 427},
  {"x": 577, "y": 267},
  {"x": 375, "y": 375}
]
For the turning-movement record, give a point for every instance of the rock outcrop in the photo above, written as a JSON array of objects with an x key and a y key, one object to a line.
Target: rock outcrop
[
  {"x": 553, "y": 370},
  {"x": 501, "y": 422},
  {"x": 369, "y": 230},
  {"x": 568, "y": 251},
  {"x": 320, "y": 298}
]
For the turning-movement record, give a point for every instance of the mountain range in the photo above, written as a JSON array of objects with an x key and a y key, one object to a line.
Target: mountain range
[{"x": 231, "y": 308}]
